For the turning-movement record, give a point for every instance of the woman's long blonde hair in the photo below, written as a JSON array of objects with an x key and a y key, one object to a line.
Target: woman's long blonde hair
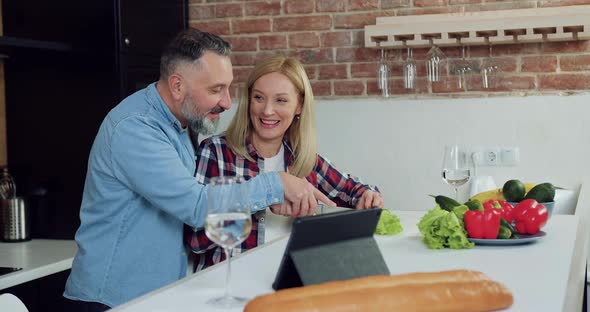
[{"x": 301, "y": 133}]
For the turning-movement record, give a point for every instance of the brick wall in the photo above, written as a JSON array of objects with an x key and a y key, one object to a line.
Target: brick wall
[{"x": 328, "y": 37}]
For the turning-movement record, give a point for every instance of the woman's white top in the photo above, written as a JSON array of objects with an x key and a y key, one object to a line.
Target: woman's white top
[{"x": 275, "y": 225}]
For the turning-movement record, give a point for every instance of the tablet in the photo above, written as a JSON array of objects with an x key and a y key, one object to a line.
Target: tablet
[{"x": 334, "y": 246}]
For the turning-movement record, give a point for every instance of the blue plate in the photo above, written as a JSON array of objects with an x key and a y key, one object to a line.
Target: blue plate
[{"x": 522, "y": 239}]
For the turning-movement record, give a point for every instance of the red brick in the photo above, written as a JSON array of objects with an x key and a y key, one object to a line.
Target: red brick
[
  {"x": 318, "y": 22},
  {"x": 363, "y": 5},
  {"x": 321, "y": 88},
  {"x": 311, "y": 71},
  {"x": 574, "y": 63},
  {"x": 373, "y": 89},
  {"x": 565, "y": 46},
  {"x": 515, "y": 49},
  {"x": 266, "y": 54},
  {"x": 228, "y": 10},
  {"x": 304, "y": 40},
  {"x": 366, "y": 70},
  {"x": 393, "y": 4},
  {"x": 454, "y": 2},
  {"x": 263, "y": 8},
  {"x": 337, "y": 71},
  {"x": 422, "y": 11},
  {"x": 505, "y": 83},
  {"x": 315, "y": 56},
  {"x": 565, "y": 82},
  {"x": 250, "y": 26},
  {"x": 354, "y": 21},
  {"x": 357, "y": 55},
  {"x": 330, "y": 5},
  {"x": 539, "y": 64},
  {"x": 241, "y": 74},
  {"x": 298, "y": 6},
  {"x": 349, "y": 88},
  {"x": 195, "y": 1},
  {"x": 397, "y": 87},
  {"x": 215, "y": 27},
  {"x": 505, "y": 64},
  {"x": 272, "y": 42},
  {"x": 554, "y": 3},
  {"x": 336, "y": 39},
  {"x": 243, "y": 58},
  {"x": 522, "y": 4},
  {"x": 201, "y": 12},
  {"x": 429, "y": 3},
  {"x": 242, "y": 43}
]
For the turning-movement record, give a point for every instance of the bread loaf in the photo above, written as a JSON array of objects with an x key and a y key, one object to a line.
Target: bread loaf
[{"x": 438, "y": 291}]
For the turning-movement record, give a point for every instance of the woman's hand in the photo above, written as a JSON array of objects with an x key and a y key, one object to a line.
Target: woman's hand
[{"x": 370, "y": 199}]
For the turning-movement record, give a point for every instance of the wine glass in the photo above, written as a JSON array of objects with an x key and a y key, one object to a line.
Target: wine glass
[
  {"x": 228, "y": 223},
  {"x": 489, "y": 71},
  {"x": 455, "y": 168},
  {"x": 409, "y": 71},
  {"x": 462, "y": 69},
  {"x": 383, "y": 74},
  {"x": 434, "y": 63}
]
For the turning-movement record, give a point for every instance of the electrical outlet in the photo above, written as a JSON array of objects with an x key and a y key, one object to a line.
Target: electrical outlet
[{"x": 491, "y": 156}]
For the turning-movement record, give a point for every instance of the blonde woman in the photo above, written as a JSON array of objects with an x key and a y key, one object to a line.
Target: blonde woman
[{"x": 273, "y": 130}]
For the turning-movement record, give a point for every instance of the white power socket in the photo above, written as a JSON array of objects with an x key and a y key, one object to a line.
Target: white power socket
[{"x": 493, "y": 156}]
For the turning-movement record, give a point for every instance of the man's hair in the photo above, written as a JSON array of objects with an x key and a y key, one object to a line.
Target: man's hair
[{"x": 188, "y": 46}]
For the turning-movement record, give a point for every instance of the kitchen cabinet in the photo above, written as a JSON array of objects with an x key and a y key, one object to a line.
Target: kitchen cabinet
[{"x": 57, "y": 98}]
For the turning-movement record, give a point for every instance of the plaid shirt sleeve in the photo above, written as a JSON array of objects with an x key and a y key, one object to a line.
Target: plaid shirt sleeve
[
  {"x": 344, "y": 189},
  {"x": 215, "y": 158}
]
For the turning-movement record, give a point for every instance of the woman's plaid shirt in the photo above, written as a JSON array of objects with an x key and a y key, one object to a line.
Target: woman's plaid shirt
[{"x": 215, "y": 158}]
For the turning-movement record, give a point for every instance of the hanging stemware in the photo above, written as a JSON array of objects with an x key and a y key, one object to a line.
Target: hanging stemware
[
  {"x": 409, "y": 71},
  {"x": 434, "y": 63},
  {"x": 383, "y": 74}
]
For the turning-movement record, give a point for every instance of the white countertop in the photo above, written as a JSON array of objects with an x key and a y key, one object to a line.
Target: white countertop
[
  {"x": 537, "y": 274},
  {"x": 38, "y": 258}
]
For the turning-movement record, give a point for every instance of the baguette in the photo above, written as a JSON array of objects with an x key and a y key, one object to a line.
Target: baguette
[
  {"x": 458, "y": 290},
  {"x": 375, "y": 281},
  {"x": 472, "y": 296}
]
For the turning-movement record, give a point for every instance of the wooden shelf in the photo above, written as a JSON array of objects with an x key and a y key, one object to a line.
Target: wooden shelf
[{"x": 481, "y": 28}]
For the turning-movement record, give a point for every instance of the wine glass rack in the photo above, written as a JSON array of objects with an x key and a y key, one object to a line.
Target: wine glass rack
[{"x": 569, "y": 23}]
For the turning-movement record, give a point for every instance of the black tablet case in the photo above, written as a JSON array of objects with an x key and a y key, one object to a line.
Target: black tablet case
[{"x": 336, "y": 246}]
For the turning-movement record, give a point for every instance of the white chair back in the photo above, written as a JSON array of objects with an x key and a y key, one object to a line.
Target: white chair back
[{"x": 10, "y": 302}]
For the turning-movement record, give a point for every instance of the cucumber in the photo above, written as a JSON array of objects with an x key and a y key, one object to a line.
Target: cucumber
[
  {"x": 504, "y": 233},
  {"x": 542, "y": 193},
  {"x": 446, "y": 203},
  {"x": 513, "y": 190},
  {"x": 474, "y": 204}
]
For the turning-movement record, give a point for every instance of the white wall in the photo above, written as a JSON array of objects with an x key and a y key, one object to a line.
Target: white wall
[{"x": 397, "y": 143}]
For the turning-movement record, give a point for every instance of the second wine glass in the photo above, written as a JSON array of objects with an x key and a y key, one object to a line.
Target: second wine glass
[
  {"x": 455, "y": 168},
  {"x": 227, "y": 224}
]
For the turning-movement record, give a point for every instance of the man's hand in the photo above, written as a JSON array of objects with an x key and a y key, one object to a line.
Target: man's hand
[
  {"x": 301, "y": 198},
  {"x": 370, "y": 199}
]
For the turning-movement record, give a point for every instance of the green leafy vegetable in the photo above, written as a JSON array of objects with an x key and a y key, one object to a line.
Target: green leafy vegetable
[
  {"x": 388, "y": 224},
  {"x": 443, "y": 229}
]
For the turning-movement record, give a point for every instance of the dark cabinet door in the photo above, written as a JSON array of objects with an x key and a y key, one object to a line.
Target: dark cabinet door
[{"x": 145, "y": 27}]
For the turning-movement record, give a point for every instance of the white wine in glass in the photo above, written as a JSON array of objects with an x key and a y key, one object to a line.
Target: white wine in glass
[
  {"x": 228, "y": 223},
  {"x": 455, "y": 169}
]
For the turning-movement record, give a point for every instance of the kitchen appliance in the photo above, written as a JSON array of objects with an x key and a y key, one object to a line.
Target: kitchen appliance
[{"x": 15, "y": 220}]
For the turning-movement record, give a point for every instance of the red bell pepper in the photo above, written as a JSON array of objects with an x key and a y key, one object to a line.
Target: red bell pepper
[
  {"x": 482, "y": 224},
  {"x": 530, "y": 216},
  {"x": 503, "y": 207}
]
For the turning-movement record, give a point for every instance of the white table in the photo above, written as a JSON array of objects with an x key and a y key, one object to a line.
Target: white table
[
  {"x": 537, "y": 274},
  {"x": 38, "y": 258}
]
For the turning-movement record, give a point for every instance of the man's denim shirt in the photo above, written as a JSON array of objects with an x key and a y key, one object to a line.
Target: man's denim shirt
[{"x": 140, "y": 189}]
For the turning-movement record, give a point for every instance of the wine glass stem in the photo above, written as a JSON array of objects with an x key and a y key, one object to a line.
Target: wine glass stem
[
  {"x": 228, "y": 252},
  {"x": 456, "y": 194}
]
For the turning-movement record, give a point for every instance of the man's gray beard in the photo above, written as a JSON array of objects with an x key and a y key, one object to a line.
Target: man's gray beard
[{"x": 198, "y": 123}]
